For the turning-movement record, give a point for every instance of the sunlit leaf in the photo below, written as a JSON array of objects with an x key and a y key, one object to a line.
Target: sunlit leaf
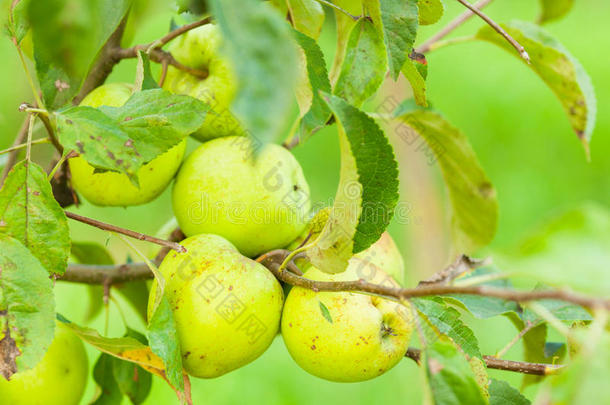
[
  {"x": 554, "y": 10},
  {"x": 501, "y": 393},
  {"x": 307, "y": 16},
  {"x": 430, "y": 11}
]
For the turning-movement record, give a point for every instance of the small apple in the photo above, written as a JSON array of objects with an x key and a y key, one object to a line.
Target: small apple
[
  {"x": 258, "y": 201},
  {"x": 59, "y": 379},
  {"x": 227, "y": 308},
  {"x": 384, "y": 254},
  {"x": 113, "y": 188},
  {"x": 345, "y": 336},
  {"x": 200, "y": 49}
]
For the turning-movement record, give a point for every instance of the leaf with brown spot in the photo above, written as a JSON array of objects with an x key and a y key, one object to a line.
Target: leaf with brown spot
[
  {"x": 27, "y": 308},
  {"x": 32, "y": 215}
]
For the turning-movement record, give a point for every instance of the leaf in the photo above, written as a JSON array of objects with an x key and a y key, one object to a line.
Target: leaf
[
  {"x": 262, "y": 48},
  {"x": 67, "y": 36},
  {"x": 369, "y": 178},
  {"x": 344, "y": 24},
  {"x": 318, "y": 114},
  {"x": 364, "y": 66},
  {"x": 398, "y": 22},
  {"x": 446, "y": 321},
  {"x": 430, "y": 11},
  {"x": 585, "y": 380},
  {"x": 558, "y": 69},
  {"x": 417, "y": 81},
  {"x": 103, "y": 374},
  {"x": 501, "y": 393},
  {"x": 144, "y": 77},
  {"x": 30, "y": 214},
  {"x": 18, "y": 21},
  {"x": 325, "y": 312},
  {"x": 125, "y": 138},
  {"x": 450, "y": 377},
  {"x": 307, "y": 16},
  {"x": 554, "y": 10},
  {"x": 132, "y": 380},
  {"x": 27, "y": 308},
  {"x": 570, "y": 249},
  {"x": 562, "y": 310},
  {"x": 164, "y": 343},
  {"x": 473, "y": 197},
  {"x": 534, "y": 350},
  {"x": 485, "y": 307}
]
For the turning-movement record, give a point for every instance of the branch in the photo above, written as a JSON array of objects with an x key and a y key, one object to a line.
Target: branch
[
  {"x": 499, "y": 364},
  {"x": 158, "y": 56},
  {"x": 449, "y": 28},
  {"x": 498, "y": 29},
  {"x": 136, "y": 235},
  {"x": 107, "y": 274},
  {"x": 179, "y": 31}
]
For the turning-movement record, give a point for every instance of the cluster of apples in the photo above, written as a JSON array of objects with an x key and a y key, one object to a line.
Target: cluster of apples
[{"x": 235, "y": 202}]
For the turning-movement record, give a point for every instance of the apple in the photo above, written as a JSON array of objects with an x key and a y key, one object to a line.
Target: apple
[
  {"x": 227, "y": 307},
  {"x": 113, "y": 188},
  {"x": 258, "y": 201},
  {"x": 363, "y": 337},
  {"x": 383, "y": 254},
  {"x": 59, "y": 379},
  {"x": 200, "y": 49}
]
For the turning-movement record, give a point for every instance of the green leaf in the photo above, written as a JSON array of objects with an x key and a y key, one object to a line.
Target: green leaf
[
  {"x": 446, "y": 321},
  {"x": 554, "y": 10},
  {"x": 27, "y": 308},
  {"x": 18, "y": 21},
  {"x": 325, "y": 312},
  {"x": 263, "y": 51},
  {"x": 473, "y": 197},
  {"x": 501, "y": 393},
  {"x": 397, "y": 21},
  {"x": 30, "y": 214},
  {"x": 450, "y": 377},
  {"x": 132, "y": 380},
  {"x": 369, "y": 178},
  {"x": 568, "y": 250},
  {"x": 485, "y": 307},
  {"x": 562, "y": 310},
  {"x": 417, "y": 81},
  {"x": 307, "y": 16},
  {"x": 364, "y": 66},
  {"x": 196, "y": 7},
  {"x": 430, "y": 11},
  {"x": 534, "y": 350},
  {"x": 103, "y": 375},
  {"x": 318, "y": 114},
  {"x": 585, "y": 379},
  {"x": 557, "y": 68},
  {"x": 144, "y": 76},
  {"x": 125, "y": 138},
  {"x": 67, "y": 36},
  {"x": 164, "y": 343},
  {"x": 344, "y": 24}
]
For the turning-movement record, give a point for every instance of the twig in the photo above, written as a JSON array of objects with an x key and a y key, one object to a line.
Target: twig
[
  {"x": 344, "y": 11},
  {"x": 273, "y": 260},
  {"x": 514, "y": 341},
  {"x": 106, "y": 274},
  {"x": 159, "y": 56},
  {"x": 499, "y": 364},
  {"x": 449, "y": 28},
  {"x": 23, "y": 145},
  {"x": 132, "y": 234},
  {"x": 460, "y": 266},
  {"x": 498, "y": 29},
  {"x": 12, "y": 157},
  {"x": 179, "y": 31},
  {"x": 51, "y": 131}
]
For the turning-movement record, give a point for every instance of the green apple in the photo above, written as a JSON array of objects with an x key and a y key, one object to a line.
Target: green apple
[
  {"x": 227, "y": 307},
  {"x": 200, "y": 49},
  {"x": 345, "y": 336},
  {"x": 258, "y": 202},
  {"x": 384, "y": 254},
  {"x": 113, "y": 188},
  {"x": 59, "y": 379}
]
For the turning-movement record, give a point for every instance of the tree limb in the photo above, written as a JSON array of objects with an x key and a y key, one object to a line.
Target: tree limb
[{"x": 132, "y": 234}]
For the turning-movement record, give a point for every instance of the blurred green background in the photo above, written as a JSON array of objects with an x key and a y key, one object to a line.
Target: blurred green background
[{"x": 515, "y": 125}]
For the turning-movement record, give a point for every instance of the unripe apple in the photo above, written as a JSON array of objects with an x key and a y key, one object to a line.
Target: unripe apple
[
  {"x": 113, "y": 188},
  {"x": 200, "y": 49},
  {"x": 345, "y": 336},
  {"x": 227, "y": 307},
  {"x": 59, "y": 379},
  {"x": 258, "y": 201}
]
